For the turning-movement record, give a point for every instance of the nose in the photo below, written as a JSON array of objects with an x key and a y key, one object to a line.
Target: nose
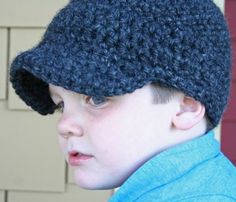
[{"x": 68, "y": 127}]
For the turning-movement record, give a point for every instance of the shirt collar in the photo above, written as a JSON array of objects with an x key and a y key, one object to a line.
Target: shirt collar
[{"x": 168, "y": 166}]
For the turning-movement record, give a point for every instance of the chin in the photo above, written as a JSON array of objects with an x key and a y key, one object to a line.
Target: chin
[{"x": 94, "y": 184}]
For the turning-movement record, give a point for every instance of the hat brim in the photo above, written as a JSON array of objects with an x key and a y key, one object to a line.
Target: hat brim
[{"x": 32, "y": 71}]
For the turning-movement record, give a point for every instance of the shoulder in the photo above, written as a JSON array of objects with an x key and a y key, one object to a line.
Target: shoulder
[
  {"x": 202, "y": 198},
  {"x": 207, "y": 198}
]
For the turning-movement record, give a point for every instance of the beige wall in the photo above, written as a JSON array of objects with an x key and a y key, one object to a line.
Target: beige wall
[{"x": 31, "y": 166}]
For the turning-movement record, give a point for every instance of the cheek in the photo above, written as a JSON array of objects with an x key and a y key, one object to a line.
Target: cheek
[
  {"x": 123, "y": 132},
  {"x": 117, "y": 142},
  {"x": 117, "y": 132}
]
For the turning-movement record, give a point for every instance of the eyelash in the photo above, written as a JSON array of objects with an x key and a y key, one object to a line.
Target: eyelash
[
  {"x": 102, "y": 101},
  {"x": 60, "y": 106}
]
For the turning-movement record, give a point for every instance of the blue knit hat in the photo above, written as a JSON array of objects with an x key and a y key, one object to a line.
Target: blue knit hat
[{"x": 113, "y": 47}]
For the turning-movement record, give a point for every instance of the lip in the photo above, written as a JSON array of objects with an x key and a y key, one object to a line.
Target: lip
[{"x": 76, "y": 158}]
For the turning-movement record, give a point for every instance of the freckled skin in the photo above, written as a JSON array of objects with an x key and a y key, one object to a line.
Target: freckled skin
[{"x": 121, "y": 134}]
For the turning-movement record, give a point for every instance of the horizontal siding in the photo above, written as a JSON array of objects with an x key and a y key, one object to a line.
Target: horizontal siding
[
  {"x": 2, "y": 196},
  {"x": 29, "y": 153},
  {"x": 3, "y": 63},
  {"x": 72, "y": 194},
  {"x": 221, "y": 4},
  {"x": 32, "y": 166},
  {"x": 21, "y": 39},
  {"x": 28, "y": 13}
]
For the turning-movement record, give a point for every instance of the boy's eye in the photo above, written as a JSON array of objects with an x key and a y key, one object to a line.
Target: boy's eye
[
  {"x": 96, "y": 101},
  {"x": 60, "y": 107}
]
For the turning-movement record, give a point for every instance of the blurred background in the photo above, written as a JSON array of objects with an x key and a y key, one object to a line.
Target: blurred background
[{"x": 32, "y": 168}]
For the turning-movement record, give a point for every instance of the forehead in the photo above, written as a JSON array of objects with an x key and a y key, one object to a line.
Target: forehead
[
  {"x": 141, "y": 93},
  {"x": 56, "y": 90},
  {"x": 53, "y": 89}
]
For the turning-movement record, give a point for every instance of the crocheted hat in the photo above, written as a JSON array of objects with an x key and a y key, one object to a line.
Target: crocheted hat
[{"x": 111, "y": 47}]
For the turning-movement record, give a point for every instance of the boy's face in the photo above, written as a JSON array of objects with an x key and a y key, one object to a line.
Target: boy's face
[{"x": 105, "y": 140}]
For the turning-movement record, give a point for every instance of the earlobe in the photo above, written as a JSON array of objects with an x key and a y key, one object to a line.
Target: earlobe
[{"x": 190, "y": 113}]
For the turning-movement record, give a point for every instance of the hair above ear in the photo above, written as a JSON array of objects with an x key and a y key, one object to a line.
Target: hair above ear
[{"x": 190, "y": 113}]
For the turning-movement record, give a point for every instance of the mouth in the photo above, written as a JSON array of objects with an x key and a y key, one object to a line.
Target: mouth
[{"x": 76, "y": 158}]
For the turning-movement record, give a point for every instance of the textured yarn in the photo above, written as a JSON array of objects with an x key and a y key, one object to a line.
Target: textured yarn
[{"x": 111, "y": 47}]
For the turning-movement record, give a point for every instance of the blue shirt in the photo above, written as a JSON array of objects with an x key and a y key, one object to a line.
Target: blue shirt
[{"x": 195, "y": 171}]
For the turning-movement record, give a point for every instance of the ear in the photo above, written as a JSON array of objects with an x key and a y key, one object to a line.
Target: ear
[{"x": 190, "y": 113}]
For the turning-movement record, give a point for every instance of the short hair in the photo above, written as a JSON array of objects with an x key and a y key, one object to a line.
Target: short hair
[{"x": 163, "y": 94}]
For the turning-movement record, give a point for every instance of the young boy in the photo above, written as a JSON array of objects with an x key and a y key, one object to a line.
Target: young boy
[{"x": 140, "y": 85}]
